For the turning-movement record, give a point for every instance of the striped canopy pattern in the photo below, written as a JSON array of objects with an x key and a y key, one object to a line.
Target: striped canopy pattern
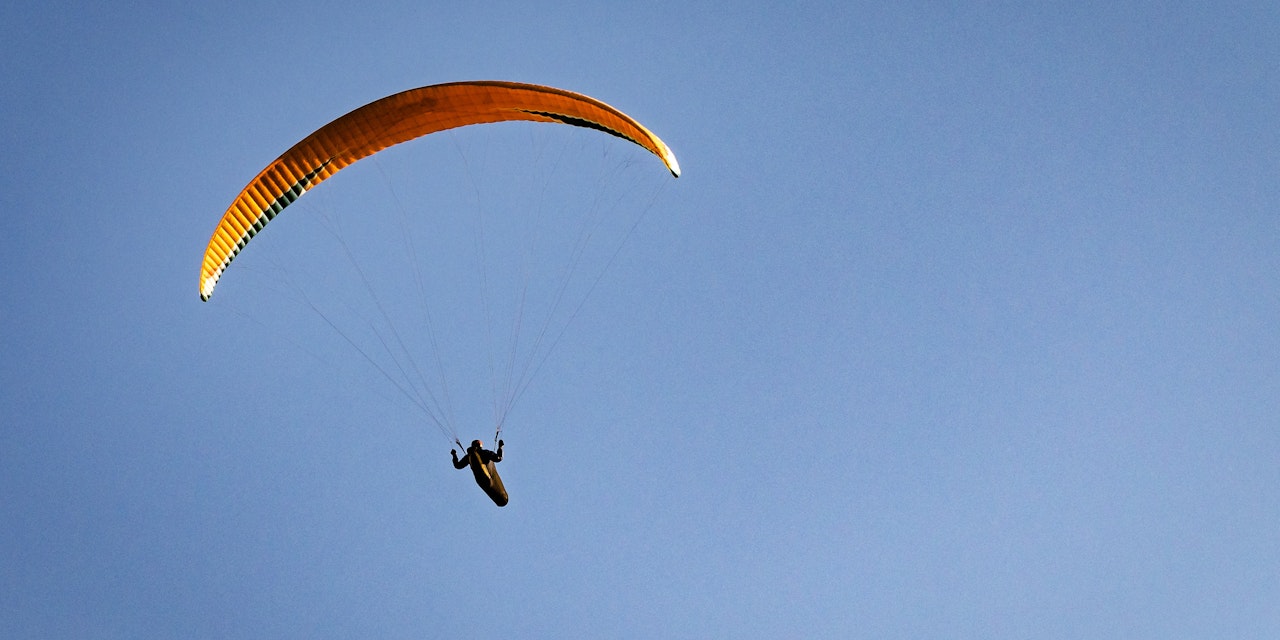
[{"x": 391, "y": 121}]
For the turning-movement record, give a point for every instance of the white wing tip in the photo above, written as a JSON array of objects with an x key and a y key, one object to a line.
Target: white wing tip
[{"x": 672, "y": 164}]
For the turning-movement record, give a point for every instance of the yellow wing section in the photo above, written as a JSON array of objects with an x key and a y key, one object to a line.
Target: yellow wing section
[{"x": 390, "y": 121}]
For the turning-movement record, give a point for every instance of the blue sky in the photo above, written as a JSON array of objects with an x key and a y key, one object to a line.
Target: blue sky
[{"x": 961, "y": 322}]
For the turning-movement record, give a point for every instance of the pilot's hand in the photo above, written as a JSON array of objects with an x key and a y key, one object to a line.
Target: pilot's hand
[
  {"x": 499, "y": 444},
  {"x": 455, "y": 453}
]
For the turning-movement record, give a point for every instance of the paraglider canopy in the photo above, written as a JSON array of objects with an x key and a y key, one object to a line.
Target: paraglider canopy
[{"x": 391, "y": 121}]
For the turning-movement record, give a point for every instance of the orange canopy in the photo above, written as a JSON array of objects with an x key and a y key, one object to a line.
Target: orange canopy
[{"x": 390, "y": 121}]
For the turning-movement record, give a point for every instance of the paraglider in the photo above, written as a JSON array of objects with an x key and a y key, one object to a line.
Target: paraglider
[
  {"x": 391, "y": 121},
  {"x": 482, "y": 462}
]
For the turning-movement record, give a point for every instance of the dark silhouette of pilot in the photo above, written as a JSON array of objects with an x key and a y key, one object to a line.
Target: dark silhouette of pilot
[{"x": 481, "y": 461}]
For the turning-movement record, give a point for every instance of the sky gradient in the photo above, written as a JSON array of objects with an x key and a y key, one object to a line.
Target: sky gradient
[{"x": 960, "y": 322}]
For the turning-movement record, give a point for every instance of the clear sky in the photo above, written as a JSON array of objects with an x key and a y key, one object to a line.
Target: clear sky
[{"x": 961, "y": 322}]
